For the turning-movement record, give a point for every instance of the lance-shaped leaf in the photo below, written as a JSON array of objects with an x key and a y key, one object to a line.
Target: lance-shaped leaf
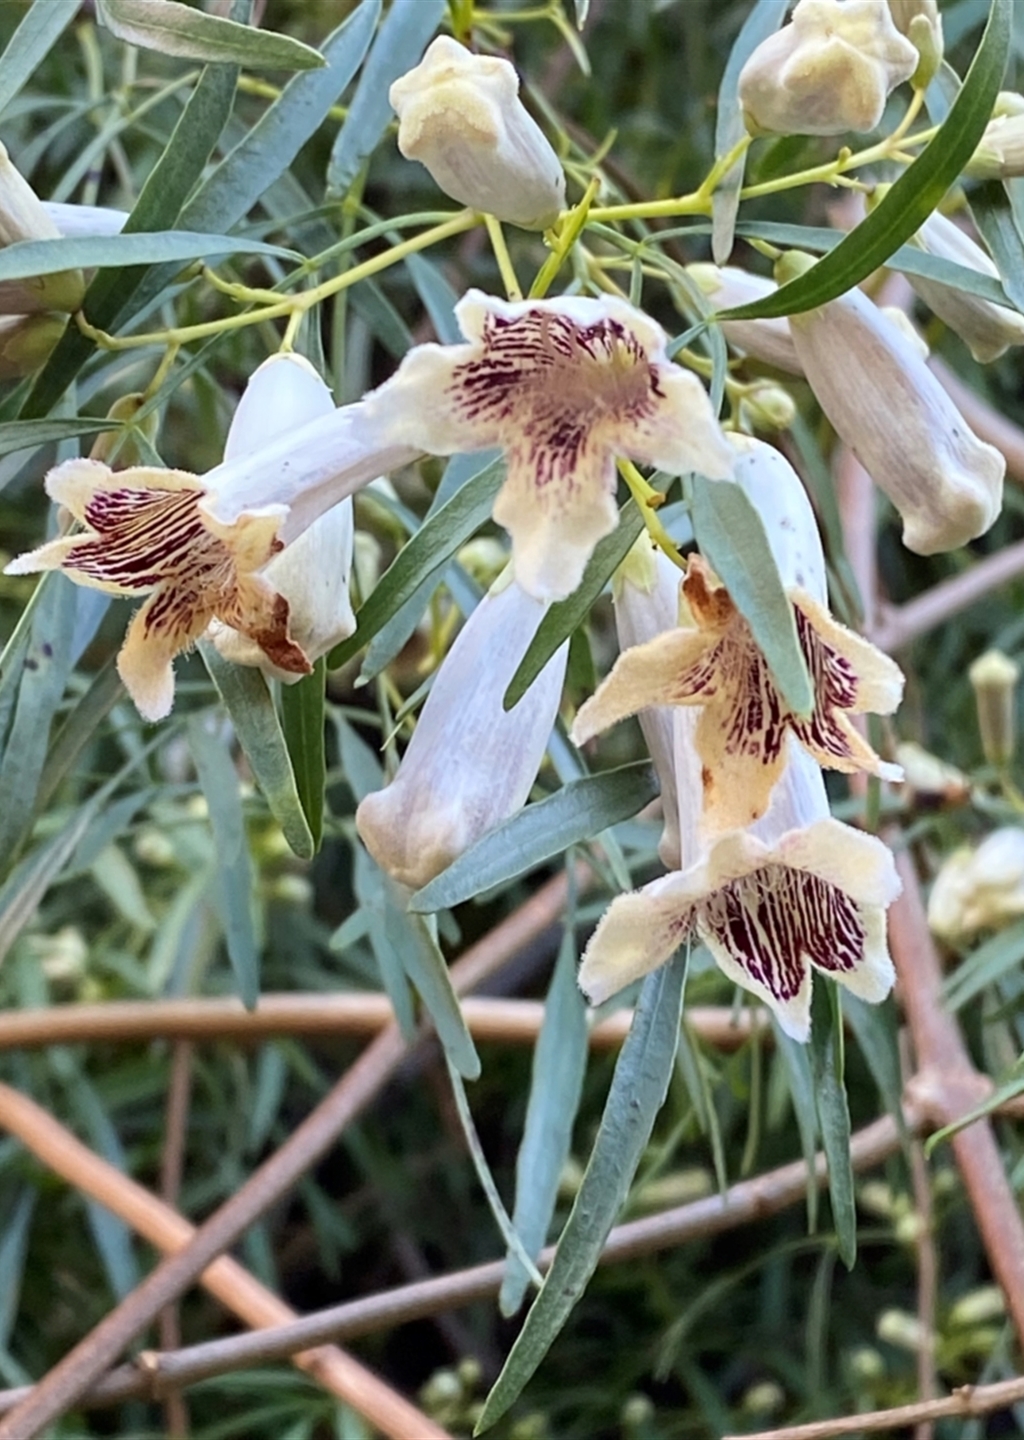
[{"x": 190, "y": 34}]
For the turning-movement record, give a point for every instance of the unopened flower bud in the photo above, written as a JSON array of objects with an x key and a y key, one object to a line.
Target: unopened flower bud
[
  {"x": 994, "y": 677},
  {"x": 128, "y": 452},
  {"x": 889, "y": 409},
  {"x": 921, "y": 22},
  {"x": 980, "y": 889},
  {"x": 26, "y": 342},
  {"x": 866, "y": 1364},
  {"x": 978, "y": 1306},
  {"x": 902, "y": 1329},
  {"x": 1000, "y": 152},
  {"x": 986, "y": 328},
  {"x": 828, "y": 71},
  {"x": 764, "y": 1398},
  {"x": 928, "y": 776},
  {"x": 460, "y": 115},
  {"x": 766, "y": 406},
  {"x": 768, "y": 340},
  {"x": 22, "y": 217},
  {"x": 470, "y": 763}
]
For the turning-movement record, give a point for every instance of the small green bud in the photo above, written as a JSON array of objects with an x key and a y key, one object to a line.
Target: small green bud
[
  {"x": 994, "y": 677},
  {"x": 26, "y": 342}
]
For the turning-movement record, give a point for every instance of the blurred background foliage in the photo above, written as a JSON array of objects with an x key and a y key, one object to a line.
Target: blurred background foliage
[{"x": 761, "y": 1325}]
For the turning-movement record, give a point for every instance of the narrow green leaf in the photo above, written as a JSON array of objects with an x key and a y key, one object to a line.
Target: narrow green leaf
[
  {"x": 439, "y": 299},
  {"x": 400, "y": 43},
  {"x": 914, "y": 195},
  {"x": 577, "y": 812},
  {"x": 731, "y": 537},
  {"x": 251, "y": 707},
  {"x": 99, "y": 252},
  {"x": 233, "y": 879},
  {"x": 302, "y": 717},
  {"x": 13, "y": 1252},
  {"x": 111, "y": 297},
  {"x": 189, "y": 34},
  {"x": 78, "y": 728},
  {"x": 564, "y": 616},
  {"x": 874, "y": 1027},
  {"x": 28, "y": 882},
  {"x": 833, "y": 1112},
  {"x": 794, "y": 1059},
  {"x": 17, "y": 435},
  {"x": 428, "y": 971},
  {"x": 763, "y": 20},
  {"x": 429, "y": 550},
  {"x": 39, "y": 30},
  {"x": 267, "y": 149},
  {"x": 638, "y": 1090},
  {"x": 386, "y": 936},
  {"x": 984, "y": 966},
  {"x": 999, "y": 213},
  {"x": 44, "y": 675},
  {"x": 556, "y": 1083},
  {"x": 1001, "y": 1095}
]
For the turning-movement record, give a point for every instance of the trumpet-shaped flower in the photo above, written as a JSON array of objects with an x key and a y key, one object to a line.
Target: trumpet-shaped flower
[
  {"x": 979, "y": 889},
  {"x": 312, "y": 573},
  {"x": 144, "y": 535},
  {"x": 987, "y": 329},
  {"x": 889, "y": 409},
  {"x": 470, "y": 763},
  {"x": 768, "y": 340},
  {"x": 714, "y": 663},
  {"x": 829, "y": 70},
  {"x": 461, "y": 116},
  {"x": 23, "y": 217},
  {"x": 797, "y": 892}
]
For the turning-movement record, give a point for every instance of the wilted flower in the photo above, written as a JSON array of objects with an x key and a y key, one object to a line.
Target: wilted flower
[
  {"x": 470, "y": 763},
  {"x": 979, "y": 889},
  {"x": 22, "y": 217},
  {"x": 768, "y": 340},
  {"x": 562, "y": 385},
  {"x": 312, "y": 573},
  {"x": 461, "y": 116},
  {"x": 828, "y": 71},
  {"x": 890, "y": 410},
  {"x": 986, "y": 328},
  {"x": 798, "y": 891},
  {"x": 715, "y": 663},
  {"x": 994, "y": 677}
]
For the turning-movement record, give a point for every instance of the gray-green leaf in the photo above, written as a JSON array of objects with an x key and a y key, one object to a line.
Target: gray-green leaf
[{"x": 189, "y": 34}]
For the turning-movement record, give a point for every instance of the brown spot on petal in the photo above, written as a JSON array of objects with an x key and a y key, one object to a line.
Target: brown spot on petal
[{"x": 710, "y": 603}]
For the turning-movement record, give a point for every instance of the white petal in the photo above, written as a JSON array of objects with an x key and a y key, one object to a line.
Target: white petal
[
  {"x": 636, "y": 934},
  {"x": 987, "y": 329},
  {"x": 73, "y": 221},
  {"x": 767, "y": 340},
  {"x": 777, "y": 493}
]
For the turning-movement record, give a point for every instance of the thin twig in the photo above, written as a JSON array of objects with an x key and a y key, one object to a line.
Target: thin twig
[
  {"x": 743, "y": 1203},
  {"x": 514, "y": 1022},
  {"x": 899, "y": 625},
  {"x": 172, "y": 1163},
  {"x": 927, "y": 1263},
  {"x": 62, "y": 1386},
  {"x": 947, "y": 1085},
  {"x": 966, "y": 1401},
  {"x": 239, "y": 1291}
]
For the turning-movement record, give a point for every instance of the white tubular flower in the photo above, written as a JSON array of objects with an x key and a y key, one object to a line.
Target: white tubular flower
[
  {"x": 797, "y": 892},
  {"x": 767, "y": 340},
  {"x": 23, "y": 217},
  {"x": 714, "y": 663},
  {"x": 470, "y": 763},
  {"x": 74, "y": 221},
  {"x": 987, "y": 329},
  {"x": 1000, "y": 152},
  {"x": 828, "y": 71},
  {"x": 889, "y": 409},
  {"x": 980, "y": 889},
  {"x": 312, "y": 573},
  {"x": 564, "y": 386},
  {"x": 461, "y": 116}
]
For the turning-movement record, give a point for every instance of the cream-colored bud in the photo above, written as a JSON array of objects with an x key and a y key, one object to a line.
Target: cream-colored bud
[
  {"x": 460, "y": 115},
  {"x": 986, "y": 328},
  {"x": 921, "y": 22},
  {"x": 470, "y": 763},
  {"x": 980, "y": 889},
  {"x": 978, "y": 1307},
  {"x": 928, "y": 776},
  {"x": 1000, "y": 152},
  {"x": 26, "y": 342},
  {"x": 889, "y": 409},
  {"x": 898, "y": 1327},
  {"x": 994, "y": 677},
  {"x": 767, "y": 340},
  {"x": 128, "y": 452},
  {"x": 766, "y": 406},
  {"x": 828, "y": 71},
  {"x": 22, "y": 217}
]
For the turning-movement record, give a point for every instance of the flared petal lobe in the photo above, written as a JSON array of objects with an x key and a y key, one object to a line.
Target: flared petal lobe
[
  {"x": 564, "y": 386},
  {"x": 145, "y": 535},
  {"x": 312, "y": 573},
  {"x": 470, "y": 763},
  {"x": 889, "y": 409}
]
